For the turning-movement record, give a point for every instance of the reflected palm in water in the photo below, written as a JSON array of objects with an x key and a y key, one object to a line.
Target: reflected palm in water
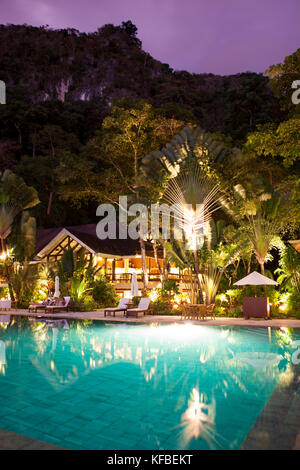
[{"x": 199, "y": 420}]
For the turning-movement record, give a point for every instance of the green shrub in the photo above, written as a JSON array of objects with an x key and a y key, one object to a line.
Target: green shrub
[
  {"x": 104, "y": 293},
  {"x": 234, "y": 312},
  {"x": 170, "y": 286},
  {"x": 85, "y": 304},
  {"x": 163, "y": 306},
  {"x": 4, "y": 293},
  {"x": 166, "y": 298},
  {"x": 293, "y": 303},
  {"x": 136, "y": 299}
]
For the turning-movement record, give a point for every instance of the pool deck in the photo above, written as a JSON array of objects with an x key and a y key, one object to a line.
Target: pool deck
[
  {"x": 277, "y": 427},
  {"x": 99, "y": 315},
  {"x": 13, "y": 441}
]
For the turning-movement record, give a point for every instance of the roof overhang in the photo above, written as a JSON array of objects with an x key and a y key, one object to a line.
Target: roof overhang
[
  {"x": 59, "y": 238},
  {"x": 54, "y": 242}
]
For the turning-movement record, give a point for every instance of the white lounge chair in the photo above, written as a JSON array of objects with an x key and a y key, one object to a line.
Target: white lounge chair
[
  {"x": 143, "y": 307},
  {"x": 41, "y": 305},
  {"x": 59, "y": 306},
  {"x": 122, "y": 307}
]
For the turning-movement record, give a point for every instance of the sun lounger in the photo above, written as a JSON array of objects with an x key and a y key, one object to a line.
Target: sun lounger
[
  {"x": 61, "y": 305},
  {"x": 143, "y": 307},
  {"x": 40, "y": 305},
  {"x": 122, "y": 307}
]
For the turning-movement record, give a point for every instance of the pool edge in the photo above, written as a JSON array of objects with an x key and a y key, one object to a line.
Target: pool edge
[
  {"x": 14, "y": 441},
  {"x": 277, "y": 427}
]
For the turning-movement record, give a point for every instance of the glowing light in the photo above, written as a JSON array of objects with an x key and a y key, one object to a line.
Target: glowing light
[
  {"x": 197, "y": 190},
  {"x": 3, "y": 256},
  {"x": 184, "y": 332},
  {"x": 223, "y": 298},
  {"x": 283, "y": 307},
  {"x": 153, "y": 295}
]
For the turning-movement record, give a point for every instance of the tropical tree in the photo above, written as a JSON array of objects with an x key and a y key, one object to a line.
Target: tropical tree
[
  {"x": 70, "y": 266},
  {"x": 184, "y": 172},
  {"x": 24, "y": 280},
  {"x": 182, "y": 258},
  {"x": 280, "y": 141},
  {"x": 281, "y": 78},
  {"x": 192, "y": 145},
  {"x": 289, "y": 269},
  {"x": 51, "y": 145},
  {"x": 113, "y": 156},
  {"x": 15, "y": 198},
  {"x": 261, "y": 218}
]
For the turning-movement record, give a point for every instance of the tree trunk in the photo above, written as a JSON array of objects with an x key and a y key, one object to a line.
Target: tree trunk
[
  {"x": 10, "y": 289},
  {"x": 165, "y": 263},
  {"x": 197, "y": 274},
  {"x": 144, "y": 263},
  {"x": 157, "y": 262},
  {"x": 262, "y": 268},
  {"x": 50, "y": 203},
  {"x": 7, "y": 273}
]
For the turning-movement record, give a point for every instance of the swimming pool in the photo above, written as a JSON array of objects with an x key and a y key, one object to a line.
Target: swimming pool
[{"x": 121, "y": 386}]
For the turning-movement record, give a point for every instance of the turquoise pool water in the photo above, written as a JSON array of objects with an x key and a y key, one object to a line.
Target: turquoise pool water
[{"x": 118, "y": 386}]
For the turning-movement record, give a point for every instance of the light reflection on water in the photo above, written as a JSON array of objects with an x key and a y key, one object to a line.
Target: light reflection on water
[{"x": 186, "y": 382}]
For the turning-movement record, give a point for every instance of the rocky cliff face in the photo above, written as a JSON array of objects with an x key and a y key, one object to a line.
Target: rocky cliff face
[
  {"x": 68, "y": 65},
  {"x": 41, "y": 65}
]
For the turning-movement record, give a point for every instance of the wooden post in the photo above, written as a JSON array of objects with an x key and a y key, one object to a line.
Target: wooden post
[{"x": 113, "y": 270}]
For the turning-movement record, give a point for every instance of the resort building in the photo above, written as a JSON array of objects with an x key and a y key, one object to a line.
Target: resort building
[{"x": 117, "y": 259}]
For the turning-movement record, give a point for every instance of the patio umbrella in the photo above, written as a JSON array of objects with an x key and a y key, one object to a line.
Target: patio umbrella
[
  {"x": 134, "y": 286},
  {"x": 255, "y": 279},
  {"x": 56, "y": 293}
]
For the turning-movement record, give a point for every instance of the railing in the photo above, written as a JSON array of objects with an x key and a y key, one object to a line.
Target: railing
[{"x": 125, "y": 278}]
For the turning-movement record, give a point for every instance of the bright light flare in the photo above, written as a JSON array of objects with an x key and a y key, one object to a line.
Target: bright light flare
[
  {"x": 3, "y": 256},
  {"x": 199, "y": 419}
]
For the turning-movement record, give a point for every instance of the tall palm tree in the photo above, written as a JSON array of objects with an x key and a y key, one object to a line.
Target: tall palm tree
[{"x": 15, "y": 197}]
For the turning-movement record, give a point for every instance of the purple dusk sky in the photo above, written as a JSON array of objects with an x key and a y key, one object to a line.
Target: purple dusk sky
[{"x": 218, "y": 36}]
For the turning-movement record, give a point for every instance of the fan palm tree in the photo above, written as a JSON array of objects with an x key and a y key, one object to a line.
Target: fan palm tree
[
  {"x": 187, "y": 148},
  {"x": 182, "y": 174}
]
